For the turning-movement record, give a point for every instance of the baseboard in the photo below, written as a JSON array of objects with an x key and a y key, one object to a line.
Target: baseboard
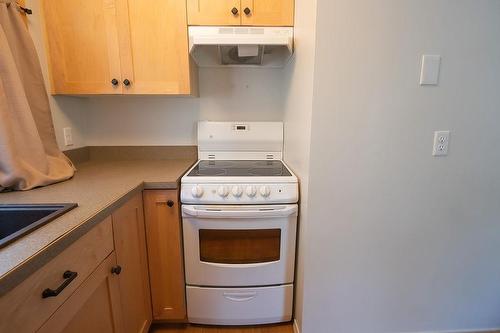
[
  {"x": 478, "y": 330},
  {"x": 296, "y": 326},
  {"x": 117, "y": 153}
]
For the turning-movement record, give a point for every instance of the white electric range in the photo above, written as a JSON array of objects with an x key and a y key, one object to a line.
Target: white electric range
[{"x": 239, "y": 216}]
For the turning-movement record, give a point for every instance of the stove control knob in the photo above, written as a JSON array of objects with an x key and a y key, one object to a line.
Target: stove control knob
[
  {"x": 265, "y": 191},
  {"x": 222, "y": 191},
  {"x": 251, "y": 191},
  {"x": 197, "y": 191},
  {"x": 237, "y": 191}
]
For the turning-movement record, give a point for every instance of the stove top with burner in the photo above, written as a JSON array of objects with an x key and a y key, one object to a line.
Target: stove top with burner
[
  {"x": 239, "y": 168},
  {"x": 239, "y": 182},
  {"x": 240, "y": 164}
]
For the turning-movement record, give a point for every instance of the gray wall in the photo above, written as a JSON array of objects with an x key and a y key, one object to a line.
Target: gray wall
[
  {"x": 398, "y": 240},
  {"x": 297, "y": 110}
]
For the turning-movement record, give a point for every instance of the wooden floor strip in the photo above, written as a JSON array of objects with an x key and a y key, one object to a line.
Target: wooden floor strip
[{"x": 168, "y": 328}]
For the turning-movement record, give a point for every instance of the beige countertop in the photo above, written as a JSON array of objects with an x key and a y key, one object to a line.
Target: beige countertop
[{"x": 99, "y": 187}]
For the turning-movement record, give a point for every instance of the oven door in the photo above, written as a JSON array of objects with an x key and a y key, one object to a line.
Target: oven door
[{"x": 234, "y": 246}]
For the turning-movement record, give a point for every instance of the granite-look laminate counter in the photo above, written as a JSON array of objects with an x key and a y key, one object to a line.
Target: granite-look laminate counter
[{"x": 99, "y": 187}]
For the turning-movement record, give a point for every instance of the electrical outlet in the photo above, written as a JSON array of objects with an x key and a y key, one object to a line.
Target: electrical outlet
[
  {"x": 441, "y": 143},
  {"x": 68, "y": 136}
]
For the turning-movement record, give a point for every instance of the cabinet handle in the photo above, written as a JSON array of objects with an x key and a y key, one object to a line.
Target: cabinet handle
[
  {"x": 114, "y": 82},
  {"x": 68, "y": 276},
  {"x": 116, "y": 270},
  {"x": 234, "y": 11},
  {"x": 25, "y": 10},
  {"x": 247, "y": 11},
  {"x": 170, "y": 203},
  {"x": 127, "y": 82}
]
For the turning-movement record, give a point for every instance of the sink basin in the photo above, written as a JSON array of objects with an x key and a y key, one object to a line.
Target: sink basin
[{"x": 19, "y": 220}]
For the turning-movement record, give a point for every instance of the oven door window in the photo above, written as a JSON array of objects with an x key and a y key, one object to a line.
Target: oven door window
[{"x": 240, "y": 246}]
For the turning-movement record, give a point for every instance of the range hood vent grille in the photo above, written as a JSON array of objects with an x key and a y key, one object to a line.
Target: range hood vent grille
[
  {"x": 230, "y": 56},
  {"x": 241, "y": 46}
]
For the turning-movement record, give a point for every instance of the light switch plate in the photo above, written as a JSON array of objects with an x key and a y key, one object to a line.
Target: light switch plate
[
  {"x": 429, "y": 74},
  {"x": 441, "y": 143}
]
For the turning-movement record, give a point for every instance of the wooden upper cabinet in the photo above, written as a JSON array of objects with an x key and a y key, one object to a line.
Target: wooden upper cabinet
[
  {"x": 83, "y": 48},
  {"x": 155, "y": 56},
  {"x": 267, "y": 12},
  {"x": 131, "y": 256},
  {"x": 118, "y": 47},
  {"x": 214, "y": 12},
  {"x": 241, "y": 12},
  {"x": 166, "y": 265}
]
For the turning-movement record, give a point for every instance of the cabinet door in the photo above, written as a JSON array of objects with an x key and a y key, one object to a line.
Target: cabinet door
[
  {"x": 130, "y": 247},
  {"x": 83, "y": 46},
  {"x": 154, "y": 47},
  {"x": 163, "y": 230},
  {"x": 94, "y": 307},
  {"x": 267, "y": 12},
  {"x": 214, "y": 12}
]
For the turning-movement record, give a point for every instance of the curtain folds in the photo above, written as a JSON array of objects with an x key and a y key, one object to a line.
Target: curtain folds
[{"x": 29, "y": 155}]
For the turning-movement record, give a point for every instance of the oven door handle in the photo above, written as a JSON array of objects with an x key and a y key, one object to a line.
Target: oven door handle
[
  {"x": 240, "y": 212},
  {"x": 240, "y": 297}
]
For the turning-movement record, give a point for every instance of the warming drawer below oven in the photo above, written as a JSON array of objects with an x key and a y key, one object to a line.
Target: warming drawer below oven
[{"x": 239, "y": 306}]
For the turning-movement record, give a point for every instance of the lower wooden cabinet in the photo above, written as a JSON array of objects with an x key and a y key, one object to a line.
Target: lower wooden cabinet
[
  {"x": 23, "y": 309},
  {"x": 94, "y": 307},
  {"x": 116, "y": 296},
  {"x": 166, "y": 266},
  {"x": 131, "y": 256},
  {"x": 125, "y": 272}
]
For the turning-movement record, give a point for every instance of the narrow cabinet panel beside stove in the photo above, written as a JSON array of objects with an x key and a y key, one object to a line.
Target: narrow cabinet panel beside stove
[{"x": 239, "y": 216}]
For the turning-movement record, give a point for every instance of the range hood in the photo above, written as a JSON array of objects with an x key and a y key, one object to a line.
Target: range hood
[{"x": 241, "y": 46}]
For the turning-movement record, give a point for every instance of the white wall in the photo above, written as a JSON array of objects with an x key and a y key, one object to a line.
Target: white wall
[
  {"x": 297, "y": 98},
  {"x": 398, "y": 240},
  {"x": 66, "y": 111},
  {"x": 225, "y": 95}
]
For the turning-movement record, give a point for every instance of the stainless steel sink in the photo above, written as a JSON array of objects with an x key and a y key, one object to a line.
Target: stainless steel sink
[{"x": 19, "y": 220}]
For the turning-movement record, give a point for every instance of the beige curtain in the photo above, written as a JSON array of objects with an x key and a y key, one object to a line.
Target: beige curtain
[{"x": 29, "y": 155}]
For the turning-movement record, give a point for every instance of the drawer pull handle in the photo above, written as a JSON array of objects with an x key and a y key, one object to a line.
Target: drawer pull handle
[
  {"x": 240, "y": 297},
  {"x": 68, "y": 276},
  {"x": 234, "y": 11},
  {"x": 170, "y": 203},
  {"x": 247, "y": 11}
]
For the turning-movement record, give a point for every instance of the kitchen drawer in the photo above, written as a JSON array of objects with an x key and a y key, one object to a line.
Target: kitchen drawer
[
  {"x": 94, "y": 307},
  {"x": 239, "y": 306},
  {"x": 24, "y": 306}
]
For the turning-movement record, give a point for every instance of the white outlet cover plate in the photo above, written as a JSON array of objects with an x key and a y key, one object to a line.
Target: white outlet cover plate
[
  {"x": 441, "y": 143},
  {"x": 68, "y": 136}
]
